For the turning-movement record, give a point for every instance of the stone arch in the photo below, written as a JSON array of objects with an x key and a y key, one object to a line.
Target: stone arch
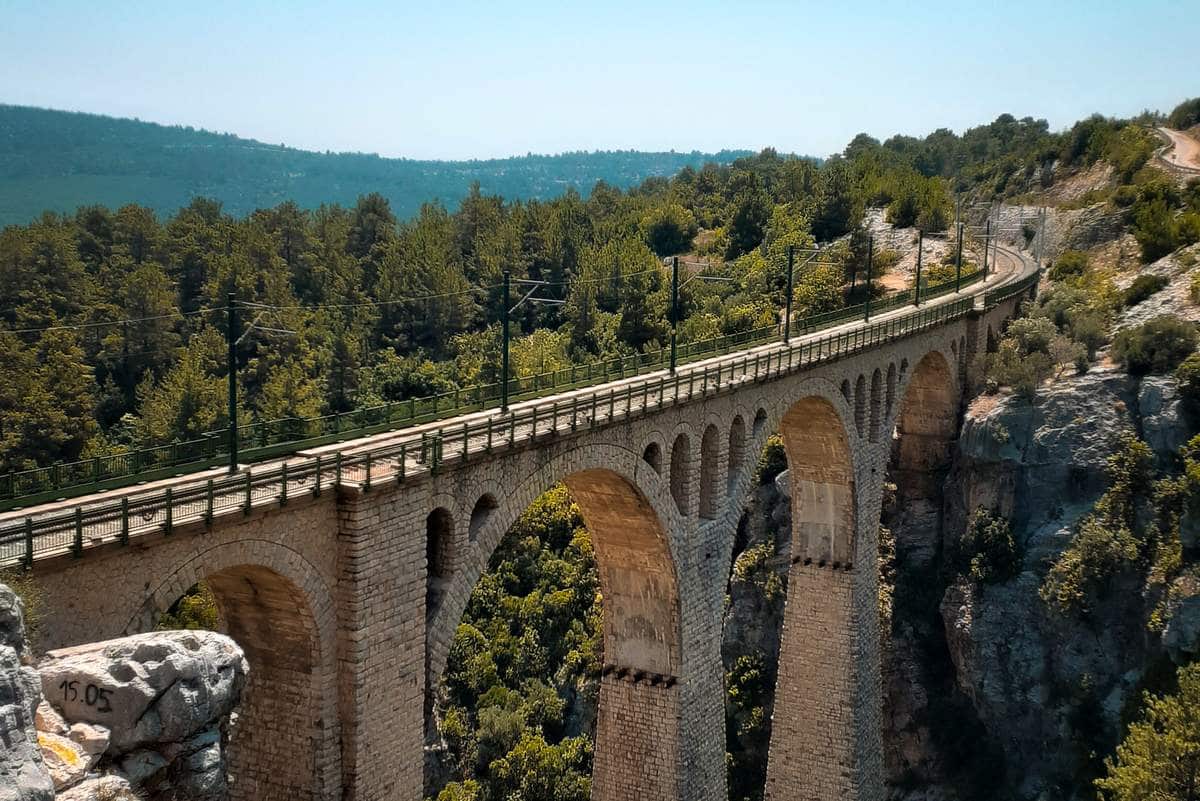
[
  {"x": 926, "y": 427},
  {"x": 482, "y": 512},
  {"x": 876, "y": 404},
  {"x": 737, "y": 452},
  {"x": 821, "y": 470},
  {"x": 710, "y": 485},
  {"x": 847, "y": 391},
  {"x": 760, "y": 421},
  {"x": 813, "y": 751},
  {"x": 643, "y": 698},
  {"x": 652, "y": 455},
  {"x": 681, "y": 468},
  {"x": 439, "y": 544},
  {"x": 860, "y": 404},
  {"x": 279, "y": 610}
]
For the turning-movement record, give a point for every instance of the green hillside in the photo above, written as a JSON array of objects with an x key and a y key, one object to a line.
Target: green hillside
[{"x": 58, "y": 161}]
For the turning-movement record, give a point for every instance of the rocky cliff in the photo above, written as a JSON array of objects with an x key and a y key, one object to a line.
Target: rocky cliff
[
  {"x": 992, "y": 692},
  {"x": 145, "y": 716}
]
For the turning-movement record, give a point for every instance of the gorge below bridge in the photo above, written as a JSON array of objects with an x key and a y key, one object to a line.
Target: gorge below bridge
[{"x": 344, "y": 571}]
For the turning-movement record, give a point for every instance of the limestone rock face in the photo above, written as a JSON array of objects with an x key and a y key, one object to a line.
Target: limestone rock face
[
  {"x": 23, "y": 774},
  {"x": 1025, "y": 671},
  {"x": 147, "y": 689},
  {"x": 1182, "y": 635}
]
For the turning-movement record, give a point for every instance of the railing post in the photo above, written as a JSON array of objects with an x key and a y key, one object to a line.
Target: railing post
[
  {"x": 367, "y": 483},
  {"x": 124, "y": 537},
  {"x": 870, "y": 266},
  {"x": 77, "y": 547},
  {"x": 787, "y": 303},
  {"x": 283, "y": 499},
  {"x": 337, "y": 469},
  {"x": 29, "y": 543},
  {"x": 249, "y": 502},
  {"x": 208, "y": 504},
  {"x": 231, "y": 334},
  {"x": 504, "y": 351},
  {"x": 170, "y": 514},
  {"x": 466, "y": 440},
  {"x": 404, "y": 462},
  {"x": 958, "y": 260},
  {"x": 674, "y": 307}
]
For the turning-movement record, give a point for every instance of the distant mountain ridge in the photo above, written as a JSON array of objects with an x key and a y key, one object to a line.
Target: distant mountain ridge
[{"x": 60, "y": 160}]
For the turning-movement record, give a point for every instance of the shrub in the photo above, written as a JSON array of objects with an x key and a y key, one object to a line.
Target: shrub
[
  {"x": 1188, "y": 375},
  {"x": 1156, "y": 346},
  {"x": 1186, "y": 114},
  {"x": 1160, "y": 755},
  {"x": 1032, "y": 334},
  {"x": 197, "y": 609},
  {"x": 773, "y": 460},
  {"x": 1071, "y": 264},
  {"x": 1143, "y": 287},
  {"x": 1125, "y": 196},
  {"x": 988, "y": 553},
  {"x": 1083, "y": 571},
  {"x": 1024, "y": 373}
]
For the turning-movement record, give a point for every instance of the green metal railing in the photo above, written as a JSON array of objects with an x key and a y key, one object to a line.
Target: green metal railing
[
  {"x": 273, "y": 438},
  {"x": 72, "y": 531}
]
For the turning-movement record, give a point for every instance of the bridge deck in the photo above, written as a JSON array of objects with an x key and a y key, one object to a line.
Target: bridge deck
[{"x": 69, "y": 526}]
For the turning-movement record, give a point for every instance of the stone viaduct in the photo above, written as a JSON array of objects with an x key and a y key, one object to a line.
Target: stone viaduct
[{"x": 346, "y": 601}]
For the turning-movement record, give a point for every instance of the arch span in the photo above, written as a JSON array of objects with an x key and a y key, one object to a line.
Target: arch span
[
  {"x": 285, "y": 746},
  {"x": 637, "y": 750},
  {"x": 926, "y": 427},
  {"x": 813, "y": 751},
  {"x": 821, "y": 475}
]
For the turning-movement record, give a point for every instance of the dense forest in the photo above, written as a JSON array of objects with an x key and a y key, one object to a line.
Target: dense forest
[
  {"x": 112, "y": 333},
  {"x": 57, "y": 160}
]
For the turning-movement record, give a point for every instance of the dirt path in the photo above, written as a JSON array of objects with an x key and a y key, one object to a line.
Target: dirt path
[{"x": 1183, "y": 152}]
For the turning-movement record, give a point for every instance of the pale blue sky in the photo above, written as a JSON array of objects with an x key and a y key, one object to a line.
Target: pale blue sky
[{"x": 445, "y": 79}]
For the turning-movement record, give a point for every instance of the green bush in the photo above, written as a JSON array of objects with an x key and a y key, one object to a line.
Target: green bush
[
  {"x": 1125, "y": 196},
  {"x": 1160, "y": 755},
  {"x": 1185, "y": 115},
  {"x": 1112, "y": 539},
  {"x": 1188, "y": 375},
  {"x": 197, "y": 609},
  {"x": 1071, "y": 264},
  {"x": 1084, "y": 570},
  {"x": 988, "y": 553},
  {"x": 1143, "y": 287},
  {"x": 773, "y": 460},
  {"x": 1156, "y": 346}
]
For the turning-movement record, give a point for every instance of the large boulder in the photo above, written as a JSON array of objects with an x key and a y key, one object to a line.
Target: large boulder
[
  {"x": 148, "y": 689},
  {"x": 23, "y": 774}
]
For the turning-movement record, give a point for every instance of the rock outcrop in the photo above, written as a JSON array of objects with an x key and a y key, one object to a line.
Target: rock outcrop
[
  {"x": 1026, "y": 676},
  {"x": 23, "y": 774},
  {"x": 145, "y": 716},
  {"x": 149, "y": 708}
]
